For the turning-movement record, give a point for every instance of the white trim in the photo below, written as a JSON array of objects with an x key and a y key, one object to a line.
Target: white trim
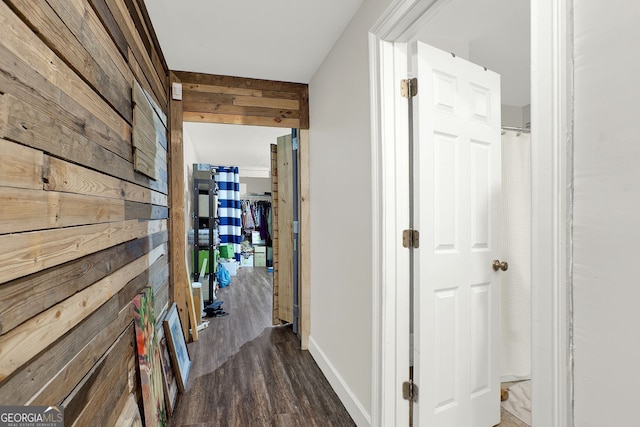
[
  {"x": 339, "y": 385},
  {"x": 551, "y": 175},
  {"x": 551, "y": 144}
]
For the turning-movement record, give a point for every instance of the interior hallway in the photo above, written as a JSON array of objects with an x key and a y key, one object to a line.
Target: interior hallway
[{"x": 247, "y": 373}]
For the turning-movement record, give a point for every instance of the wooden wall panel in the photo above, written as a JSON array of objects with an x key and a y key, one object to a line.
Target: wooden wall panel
[
  {"x": 234, "y": 100},
  {"x": 180, "y": 277},
  {"x": 276, "y": 232},
  {"x": 81, "y": 232},
  {"x": 305, "y": 240},
  {"x": 285, "y": 228}
]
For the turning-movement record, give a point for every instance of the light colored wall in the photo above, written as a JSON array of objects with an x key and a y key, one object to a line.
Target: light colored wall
[
  {"x": 607, "y": 201},
  {"x": 256, "y": 185},
  {"x": 190, "y": 157},
  {"x": 340, "y": 169},
  {"x": 512, "y": 115}
]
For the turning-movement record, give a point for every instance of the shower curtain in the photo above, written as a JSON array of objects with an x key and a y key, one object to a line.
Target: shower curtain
[
  {"x": 229, "y": 209},
  {"x": 516, "y": 250}
]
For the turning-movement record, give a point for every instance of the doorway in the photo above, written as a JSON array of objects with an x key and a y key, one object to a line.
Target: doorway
[
  {"x": 400, "y": 24},
  {"x": 206, "y": 98}
]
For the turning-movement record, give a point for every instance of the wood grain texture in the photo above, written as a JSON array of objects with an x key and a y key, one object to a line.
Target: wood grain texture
[
  {"x": 90, "y": 398},
  {"x": 63, "y": 176},
  {"x": 90, "y": 30},
  {"x": 305, "y": 239},
  {"x": 20, "y": 387},
  {"x": 233, "y": 119},
  {"x": 18, "y": 38},
  {"x": 138, "y": 11},
  {"x": 89, "y": 60},
  {"x": 24, "y": 83},
  {"x": 19, "y": 345},
  {"x": 20, "y": 122},
  {"x": 235, "y": 100},
  {"x": 21, "y": 166},
  {"x": 79, "y": 365},
  {"x": 247, "y": 373},
  {"x": 285, "y": 228},
  {"x": 178, "y": 285},
  {"x": 138, "y": 51},
  {"x": 226, "y": 108},
  {"x": 28, "y": 253},
  {"x": 145, "y": 211},
  {"x": 80, "y": 231},
  {"x": 102, "y": 10},
  {"x": 25, "y": 297},
  {"x": 29, "y": 210},
  {"x": 23, "y": 123},
  {"x": 274, "y": 223}
]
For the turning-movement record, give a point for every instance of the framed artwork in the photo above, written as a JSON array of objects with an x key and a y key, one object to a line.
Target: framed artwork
[
  {"x": 169, "y": 380},
  {"x": 177, "y": 346},
  {"x": 149, "y": 359}
]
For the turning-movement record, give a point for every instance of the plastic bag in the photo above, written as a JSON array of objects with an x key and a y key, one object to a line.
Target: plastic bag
[{"x": 224, "y": 278}]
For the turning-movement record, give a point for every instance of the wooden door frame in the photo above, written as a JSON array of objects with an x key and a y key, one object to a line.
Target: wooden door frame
[
  {"x": 264, "y": 103},
  {"x": 552, "y": 141}
]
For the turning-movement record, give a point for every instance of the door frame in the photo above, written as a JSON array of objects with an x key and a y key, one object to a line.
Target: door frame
[
  {"x": 552, "y": 178},
  {"x": 180, "y": 112}
]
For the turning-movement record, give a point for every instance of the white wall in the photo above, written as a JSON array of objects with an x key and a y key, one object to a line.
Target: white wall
[
  {"x": 512, "y": 115},
  {"x": 606, "y": 228},
  {"x": 340, "y": 152},
  {"x": 256, "y": 185}
]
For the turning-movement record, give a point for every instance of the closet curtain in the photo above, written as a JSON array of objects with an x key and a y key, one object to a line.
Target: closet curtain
[
  {"x": 516, "y": 250},
  {"x": 229, "y": 209}
]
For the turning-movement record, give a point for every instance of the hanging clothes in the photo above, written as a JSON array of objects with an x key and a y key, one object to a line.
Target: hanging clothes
[
  {"x": 248, "y": 223},
  {"x": 256, "y": 216}
]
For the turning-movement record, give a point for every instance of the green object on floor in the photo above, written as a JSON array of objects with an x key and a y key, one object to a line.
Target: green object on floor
[
  {"x": 204, "y": 254},
  {"x": 226, "y": 251}
]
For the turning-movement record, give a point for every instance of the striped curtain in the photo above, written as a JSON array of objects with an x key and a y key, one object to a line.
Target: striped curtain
[{"x": 229, "y": 209}]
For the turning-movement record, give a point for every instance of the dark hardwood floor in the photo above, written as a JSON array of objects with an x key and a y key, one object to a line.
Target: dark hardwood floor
[{"x": 247, "y": 373}]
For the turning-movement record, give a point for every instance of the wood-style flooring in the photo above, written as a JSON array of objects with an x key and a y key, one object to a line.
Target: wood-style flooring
[
  {"x": 247, "y": 373},
  {"x": 507, "y": 419}
]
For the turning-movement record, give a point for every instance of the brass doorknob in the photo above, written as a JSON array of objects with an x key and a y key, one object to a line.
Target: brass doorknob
[{"x": 497, "y": 265}]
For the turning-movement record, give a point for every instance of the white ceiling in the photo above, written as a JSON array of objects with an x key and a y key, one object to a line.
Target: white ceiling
[
  {"x": 287, "y": 40},
  {"x": 282, "y": 40}
]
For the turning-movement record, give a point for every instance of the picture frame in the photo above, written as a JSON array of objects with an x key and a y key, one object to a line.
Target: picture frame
[
  {"x": 169, "y": 380},
  {"x": 177, "y": 347},
  {"x": 148, "y": 352}
]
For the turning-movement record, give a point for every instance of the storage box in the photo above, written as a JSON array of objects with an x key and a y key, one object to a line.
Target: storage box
[
  {"x": 260, "y": 259},
  {"x": 246, "y": 261},
  {"x": 226, "y": 251},
  {"x": 255, "y": 238},
  {"x": 259, "y": 249},
  {"x": 230, "y": 265},
  {"x": 204, "y": 253}
]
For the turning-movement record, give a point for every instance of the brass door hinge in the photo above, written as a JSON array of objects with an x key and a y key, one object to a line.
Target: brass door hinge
[
  {"x": 410, "y": 391},
  {"x": 409, "y": 87},
  {"x": 411, "y": 238}
]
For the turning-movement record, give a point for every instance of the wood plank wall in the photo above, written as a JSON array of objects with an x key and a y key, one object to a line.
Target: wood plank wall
[
  {"x": 81, "y": 232},
  {"x": 276, "y": 232},
  {"x": 212, "y": 98}
]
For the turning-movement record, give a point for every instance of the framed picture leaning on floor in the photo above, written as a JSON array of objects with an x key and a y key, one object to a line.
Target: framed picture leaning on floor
[
  {"x": 170, "y": 382},
  {"x": 177, "y": 346}
]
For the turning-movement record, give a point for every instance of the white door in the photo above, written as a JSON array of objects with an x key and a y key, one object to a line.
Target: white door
[{"x": 457, "y": 211}]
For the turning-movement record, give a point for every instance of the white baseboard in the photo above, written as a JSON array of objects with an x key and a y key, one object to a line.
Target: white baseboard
[{"x": 348, "y": 399}]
